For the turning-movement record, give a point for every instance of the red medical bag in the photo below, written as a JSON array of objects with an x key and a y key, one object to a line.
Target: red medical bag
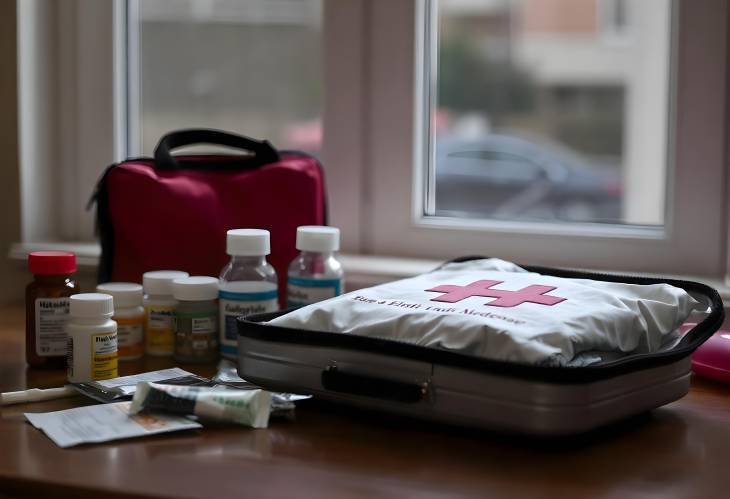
[{"x": 172, "y": 212}]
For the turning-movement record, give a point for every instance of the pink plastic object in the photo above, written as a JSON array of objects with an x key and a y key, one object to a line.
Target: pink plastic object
[{"x": 712, "y": 359}]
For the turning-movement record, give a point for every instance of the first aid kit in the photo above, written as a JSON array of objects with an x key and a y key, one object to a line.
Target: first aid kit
[
  {"x": 173, "y": 211},
  {"x": 487, "y": 343}
]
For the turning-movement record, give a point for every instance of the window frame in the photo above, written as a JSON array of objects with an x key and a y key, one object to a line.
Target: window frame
[
  {"x": 67, "y": 62},
  {"x": 398, "y": 101}
]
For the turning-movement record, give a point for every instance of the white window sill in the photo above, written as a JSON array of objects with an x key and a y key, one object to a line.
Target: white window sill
[
  {"x": 361, "y": 270},
  {"x": 87, "y": 254}
]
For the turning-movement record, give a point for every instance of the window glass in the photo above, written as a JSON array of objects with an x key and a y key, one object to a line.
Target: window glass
[
  {"x": 248, "y": 66},
  {"x": 550, "y": 117}
]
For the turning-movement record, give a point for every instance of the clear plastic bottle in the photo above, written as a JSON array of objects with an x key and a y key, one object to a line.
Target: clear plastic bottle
[
  {"x": 248, "y": 284},
  {"x": 315, "y": 274}
]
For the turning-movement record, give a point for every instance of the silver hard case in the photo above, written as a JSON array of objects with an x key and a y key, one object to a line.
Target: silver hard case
[{"x": 457, "y": 389}]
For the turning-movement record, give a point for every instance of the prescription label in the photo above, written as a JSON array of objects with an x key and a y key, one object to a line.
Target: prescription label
[
  {"x": 240, "y": 304},
  {"x": 104, "y": 356},
  {"x": 51, "y": 315},
  {"x": 203, "y": 325},
  {"x": 196, "y": 334},
  {"x": 130, "y": 336},
  {"x": 158, "y": 329},
  {"x": 305, "y": 290}
]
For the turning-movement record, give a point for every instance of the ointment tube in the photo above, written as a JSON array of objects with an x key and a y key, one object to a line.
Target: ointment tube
[{"x": 245, "y": 407}]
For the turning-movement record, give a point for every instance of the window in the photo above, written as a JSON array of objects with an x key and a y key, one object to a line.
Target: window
[
  {"x": 446, "y": 127},
  {"x": 254, "y": 67},
  {"x": 652, "y": 226},
  {"x": 515, "y": 76}
]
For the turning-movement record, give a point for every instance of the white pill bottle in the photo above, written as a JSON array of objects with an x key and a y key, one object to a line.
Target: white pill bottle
[{"x": 92, "y": 338}]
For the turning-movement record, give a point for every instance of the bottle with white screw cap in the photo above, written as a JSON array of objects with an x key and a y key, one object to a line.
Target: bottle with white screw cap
[
  {"x": 159, "y": 308},
  {"x": 196, "y": 319},
  {"x": 92, "y": 338},
  {"x": 315, "y": 274},
  {"x": 248, "y": 284},
  {"x": 129, "y": 316}
]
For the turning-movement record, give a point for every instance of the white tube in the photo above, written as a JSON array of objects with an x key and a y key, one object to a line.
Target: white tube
[{"x": 36, "y": 395}]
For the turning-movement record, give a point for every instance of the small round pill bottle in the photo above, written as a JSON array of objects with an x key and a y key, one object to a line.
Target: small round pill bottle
[
  {"x": 315, "y": 274},
  {"x": 92, "y": 338},
  {"x": 248, "y": 284},
  {"x": 129, "y": 316},
  {"x": 196, "y": 319},
  {"x": 159, "y": 307},
  {"x": 46, "y": 307}
]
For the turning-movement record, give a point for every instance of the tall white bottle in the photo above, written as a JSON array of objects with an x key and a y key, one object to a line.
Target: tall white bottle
[{"x": 248, "y": 284}]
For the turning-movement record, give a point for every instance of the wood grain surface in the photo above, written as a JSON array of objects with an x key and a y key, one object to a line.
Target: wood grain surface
[{"x": 680, "y": 450}]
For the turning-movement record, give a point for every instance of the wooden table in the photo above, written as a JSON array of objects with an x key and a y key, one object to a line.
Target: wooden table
[{"x": 680, "y": 450}]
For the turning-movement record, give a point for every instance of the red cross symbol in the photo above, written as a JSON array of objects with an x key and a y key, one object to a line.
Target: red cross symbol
[{"x": 532, "y": 294}]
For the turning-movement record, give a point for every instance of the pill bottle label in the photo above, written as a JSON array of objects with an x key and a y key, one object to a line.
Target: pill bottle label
[
  {"x": 130, "y": 335},
  {"x": 158, "y": 330},
  {"x": 70, "y": 357},
  {"x": 236, "y": 304},
  {"x": 203, "y": 325},
  {"x": 104, "y": 356},
  {"x": 304, "y": 290},
  {"x": 51, "y": 315},
  {"x": 196, "y": 335}
]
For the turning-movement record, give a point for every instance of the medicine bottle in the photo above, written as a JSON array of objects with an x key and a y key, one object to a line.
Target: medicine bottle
[
  {"x": 196, "y": 319},
  {"x": 92, "y": 338},
  {"x": 247, "y": 284},
  {"x": 129, "y": 316},
  {"x": 315, "y": 274},
  {"x": 159, "y": 306},
  {"x": 46, "y": 307}
]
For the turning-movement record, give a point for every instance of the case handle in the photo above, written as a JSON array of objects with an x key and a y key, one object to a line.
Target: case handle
[
  {"x": 262, "y": 150},
  {"x": 335, "y": 380}
]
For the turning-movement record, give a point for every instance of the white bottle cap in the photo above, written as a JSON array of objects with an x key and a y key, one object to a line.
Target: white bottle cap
[
  {"x": 196, "y": 288},
  {"x": 318, "y": 238},
  {"x": 91, "y": 305},
  {"x": 159, "y": 282},
  {"x": 126, "y": 294},
  {"x": 248, "y": 242}
]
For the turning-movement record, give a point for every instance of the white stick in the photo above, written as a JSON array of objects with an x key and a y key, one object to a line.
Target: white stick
[{"x": 36, "y": 395}]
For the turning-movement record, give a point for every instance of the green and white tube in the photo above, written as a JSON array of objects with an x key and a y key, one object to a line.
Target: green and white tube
[{"x": 245, "y": 407}]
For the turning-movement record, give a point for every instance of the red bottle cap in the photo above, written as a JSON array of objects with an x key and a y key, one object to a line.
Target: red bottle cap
[{"x": 52, "y": 262}]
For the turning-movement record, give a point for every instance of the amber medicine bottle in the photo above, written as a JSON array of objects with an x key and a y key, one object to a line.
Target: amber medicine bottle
[
  {"x": 47, "y": 307},
  {"x": 159, "y": 308},
  {"x": 129, "y": 316}
]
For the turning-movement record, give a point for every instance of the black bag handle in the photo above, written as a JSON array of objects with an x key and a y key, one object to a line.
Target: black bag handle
[
  {"x": 263, "y": 151},
  {"x": 333, "y": 379}
]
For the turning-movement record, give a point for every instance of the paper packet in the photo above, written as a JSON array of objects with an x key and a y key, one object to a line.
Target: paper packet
[{"x": 104, "y": 422}]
